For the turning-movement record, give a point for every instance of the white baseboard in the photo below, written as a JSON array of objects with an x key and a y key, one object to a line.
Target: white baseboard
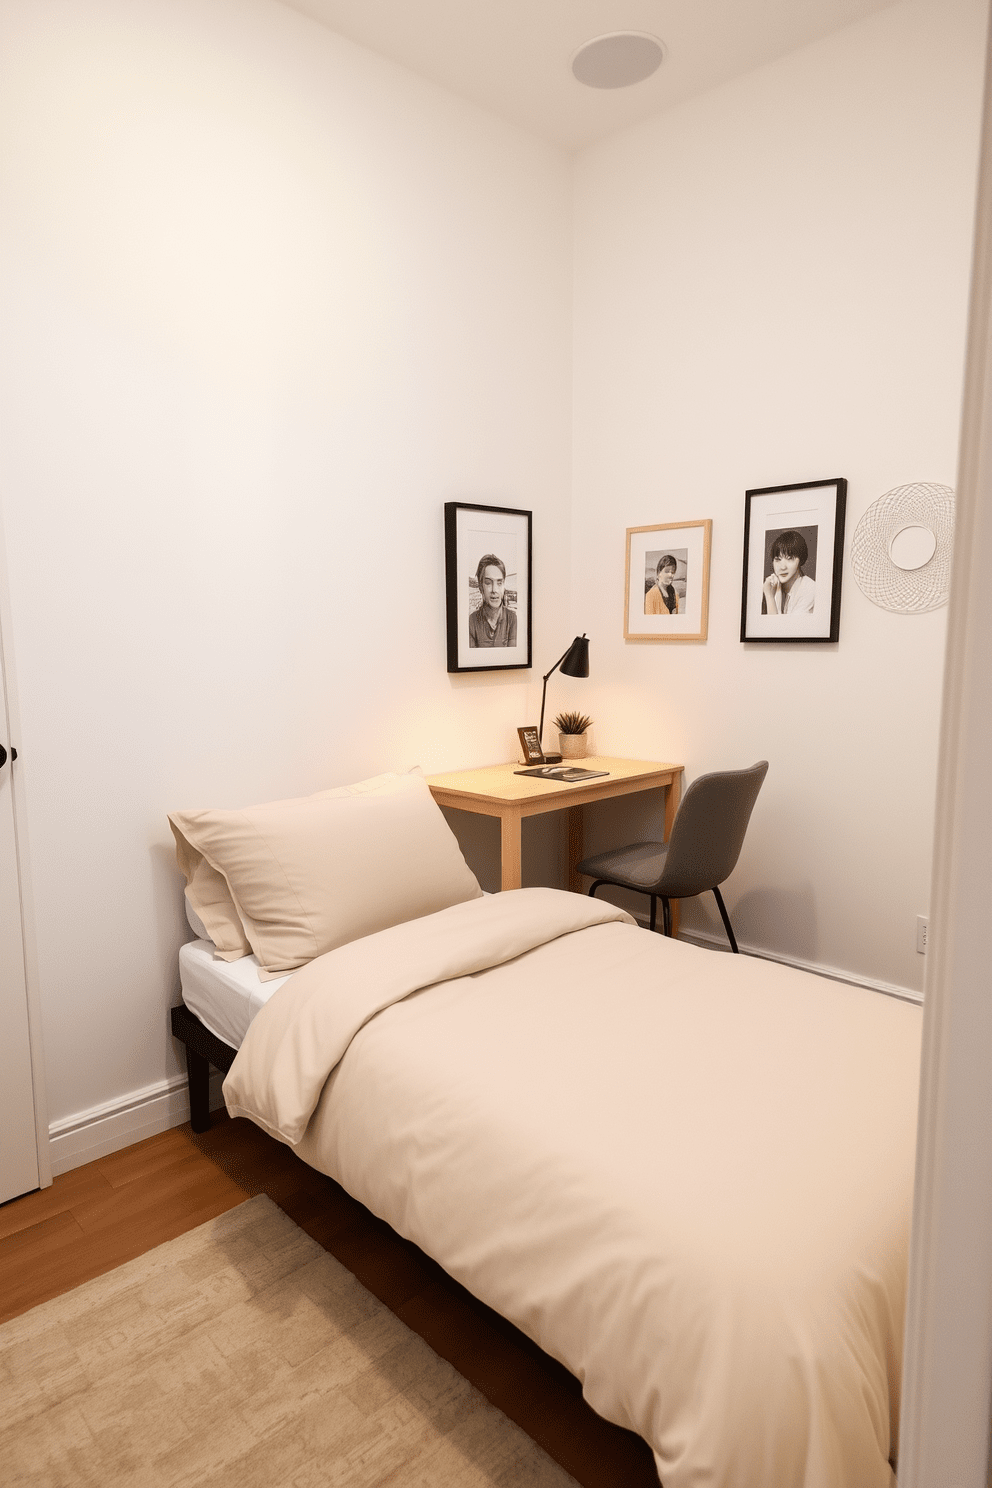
[
  {"x": 832, "y": 973},
  {"x": 87, "y": 1135}
]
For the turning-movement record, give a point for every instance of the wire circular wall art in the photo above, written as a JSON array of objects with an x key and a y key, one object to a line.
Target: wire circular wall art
[{"x": 901, "y": 552}]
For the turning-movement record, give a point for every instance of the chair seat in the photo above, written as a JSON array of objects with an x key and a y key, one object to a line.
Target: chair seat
[{"x": 639, "y": 866}]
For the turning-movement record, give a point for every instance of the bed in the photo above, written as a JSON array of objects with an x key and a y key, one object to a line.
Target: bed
[{"x": 686, "y": 1175}]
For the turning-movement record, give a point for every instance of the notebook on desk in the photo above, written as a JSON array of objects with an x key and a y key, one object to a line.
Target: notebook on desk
[{"x": 568, "y": 774}]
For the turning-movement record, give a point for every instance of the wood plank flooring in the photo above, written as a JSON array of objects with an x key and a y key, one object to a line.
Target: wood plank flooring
[{"x": 98, "y": 1216}]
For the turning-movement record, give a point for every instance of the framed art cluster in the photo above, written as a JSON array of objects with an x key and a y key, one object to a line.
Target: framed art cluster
[
  {"x": 791, "y": 581},
  {"x": 790, "y": 584}
]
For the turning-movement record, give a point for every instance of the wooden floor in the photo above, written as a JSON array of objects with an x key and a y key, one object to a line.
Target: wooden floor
[{"x": 101, "y": 1215}]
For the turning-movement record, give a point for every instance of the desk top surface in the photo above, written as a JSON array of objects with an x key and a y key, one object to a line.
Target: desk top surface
[{"x": 500, "y": 783}]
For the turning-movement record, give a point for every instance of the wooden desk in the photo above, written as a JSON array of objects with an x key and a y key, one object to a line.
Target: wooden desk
[{"x": 497, "y": 791}]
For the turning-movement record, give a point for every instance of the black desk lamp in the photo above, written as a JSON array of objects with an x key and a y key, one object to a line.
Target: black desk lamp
[{"x": 574, "y": 663}]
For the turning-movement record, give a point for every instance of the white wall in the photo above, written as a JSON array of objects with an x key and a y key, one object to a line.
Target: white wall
[
  {"x": 771, "y": 287},
  {"x": 268, "y": 303}
]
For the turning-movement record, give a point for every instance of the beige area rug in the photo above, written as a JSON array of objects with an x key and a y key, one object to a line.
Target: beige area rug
[{"x": 243, "y": 1354}]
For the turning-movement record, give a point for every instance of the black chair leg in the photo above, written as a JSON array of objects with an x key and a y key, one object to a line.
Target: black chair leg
[
  {"x": 666, "y": 913},
  {"x": 595, "y": 886},
  {"x": 726, "y": 922},
  {"x": 654, "y": 911}
]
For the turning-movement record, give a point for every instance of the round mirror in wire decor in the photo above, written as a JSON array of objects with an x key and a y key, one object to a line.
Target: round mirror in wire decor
[{"x": 901, "y": 550}]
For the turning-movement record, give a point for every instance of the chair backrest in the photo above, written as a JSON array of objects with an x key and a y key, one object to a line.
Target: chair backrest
[{"x": 708, "y": 831}]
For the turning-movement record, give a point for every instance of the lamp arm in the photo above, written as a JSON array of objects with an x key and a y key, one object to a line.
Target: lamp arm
[
  {"x": 544, "y": 694},
  {"x": 540, "y": 726}
]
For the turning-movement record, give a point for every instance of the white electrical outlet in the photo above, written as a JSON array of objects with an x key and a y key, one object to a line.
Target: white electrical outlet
[{"x": 921, "y": 934}]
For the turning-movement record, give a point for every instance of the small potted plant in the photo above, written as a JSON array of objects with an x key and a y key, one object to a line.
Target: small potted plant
[{"x": 572, "y": 734}]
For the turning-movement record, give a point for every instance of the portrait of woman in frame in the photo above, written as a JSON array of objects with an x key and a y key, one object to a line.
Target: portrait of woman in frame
[
  {"x": 668, "y": 579},
  {"x": 793, "y": 561}
]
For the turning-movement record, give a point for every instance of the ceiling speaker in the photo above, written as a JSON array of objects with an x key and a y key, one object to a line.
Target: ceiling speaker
[{"x": 617, "y": 60}]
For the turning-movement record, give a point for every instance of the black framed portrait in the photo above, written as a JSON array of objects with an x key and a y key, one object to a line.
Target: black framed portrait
[
  {"x": 793, "y": 561},
  {"x": 487, "y": 571}
]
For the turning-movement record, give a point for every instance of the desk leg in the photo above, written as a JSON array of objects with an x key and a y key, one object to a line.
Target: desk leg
[
  {"x": 509, "y": 850},
  {"x": 673, "y": 794},
  {"x": 576, "y": 846}
]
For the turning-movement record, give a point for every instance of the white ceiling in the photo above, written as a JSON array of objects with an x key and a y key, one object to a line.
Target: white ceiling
[{"x": 513, "y": 56}]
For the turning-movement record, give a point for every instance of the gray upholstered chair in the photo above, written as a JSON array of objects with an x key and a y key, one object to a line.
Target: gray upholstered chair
[{"x": 701, "y": 852}]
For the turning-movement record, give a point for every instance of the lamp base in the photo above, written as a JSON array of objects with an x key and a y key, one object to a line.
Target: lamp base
[{"x": 552, "y": 759}]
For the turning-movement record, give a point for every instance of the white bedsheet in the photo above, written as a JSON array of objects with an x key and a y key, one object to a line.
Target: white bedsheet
[
  {"x": 686, "y": 1175},
  {"x": 224, "y": 995}
]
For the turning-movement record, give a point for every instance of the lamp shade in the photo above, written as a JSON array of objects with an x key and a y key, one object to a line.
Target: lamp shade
[{"x": 575, "y": 662}]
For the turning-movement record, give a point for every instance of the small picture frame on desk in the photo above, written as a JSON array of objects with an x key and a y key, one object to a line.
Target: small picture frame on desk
[{"x": 530, "y": 745}]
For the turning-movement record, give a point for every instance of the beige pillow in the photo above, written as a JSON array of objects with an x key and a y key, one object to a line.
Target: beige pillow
[
  {"x": 208, "y": 895},
  {"x": 309, "y": 874}
]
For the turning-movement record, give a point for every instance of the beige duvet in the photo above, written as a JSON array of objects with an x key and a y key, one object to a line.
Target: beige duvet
[{"x": 686, "y": 1175}]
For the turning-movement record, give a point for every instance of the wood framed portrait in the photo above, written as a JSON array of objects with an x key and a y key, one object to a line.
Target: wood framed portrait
[
  {"x": 487, "y": 570},
  {"x": 793, "y": 561},
  {"x": 667, "y": 591}
]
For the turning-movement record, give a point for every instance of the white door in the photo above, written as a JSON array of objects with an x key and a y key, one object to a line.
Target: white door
[{"x": 18, "y": 1138}]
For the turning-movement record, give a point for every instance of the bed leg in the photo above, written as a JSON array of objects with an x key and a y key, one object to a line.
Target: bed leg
[{"x": 198, "y": 1069}]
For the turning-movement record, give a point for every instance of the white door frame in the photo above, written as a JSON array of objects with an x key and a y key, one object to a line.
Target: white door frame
[
  {"x": 29, "y": 942},
  {"x": 947, "y": 1380}
]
